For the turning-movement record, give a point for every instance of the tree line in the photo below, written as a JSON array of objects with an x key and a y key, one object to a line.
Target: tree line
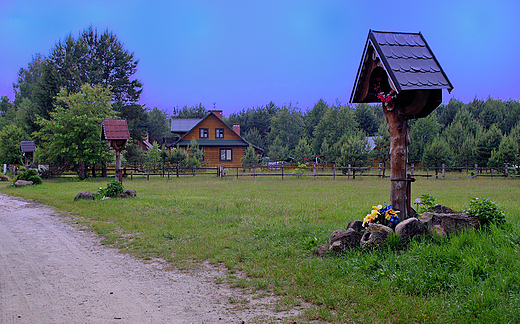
[{"x": 60, "y": 100}]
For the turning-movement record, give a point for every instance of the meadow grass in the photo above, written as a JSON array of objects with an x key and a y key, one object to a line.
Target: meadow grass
[{"x": 269, "y": 228}]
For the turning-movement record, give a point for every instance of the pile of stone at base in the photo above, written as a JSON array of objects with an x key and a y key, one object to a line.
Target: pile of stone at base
[{"x": 443, "y": 222}]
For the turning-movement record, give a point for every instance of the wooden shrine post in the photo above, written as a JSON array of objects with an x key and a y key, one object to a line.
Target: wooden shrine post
[
  {"x": 116, "y": 132},
  {"x": 400, "y": 71}
]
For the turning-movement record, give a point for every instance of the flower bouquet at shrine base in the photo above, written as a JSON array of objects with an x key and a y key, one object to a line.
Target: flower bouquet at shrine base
[{"x": 384, "y": 215}]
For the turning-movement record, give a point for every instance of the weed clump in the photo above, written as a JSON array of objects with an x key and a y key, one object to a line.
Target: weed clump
[{"x": 486, "y": 211}]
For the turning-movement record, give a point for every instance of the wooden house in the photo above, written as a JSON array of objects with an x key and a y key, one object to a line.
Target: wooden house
[{"x": 221, "y": 144}]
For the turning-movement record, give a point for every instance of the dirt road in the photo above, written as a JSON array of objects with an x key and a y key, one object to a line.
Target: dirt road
[{"x": 51, "y": 272}]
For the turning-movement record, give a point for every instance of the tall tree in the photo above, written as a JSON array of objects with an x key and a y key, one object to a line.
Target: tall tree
[
  {"x": 446, "y": 113},
  {"x": 338, "y": 121},
  {"x": 436, "y": 154},
  {"x": 198, "y": 111},
  {"x": 28, "y": 79},
  {"x": 288, "y": 125},
  {"x": 353, "y": 150},
  {"x": 259, "y": 118},
  {"x": 486, "y": 143},
  {"x": 157, "y": 125},
  {"x": 302, "y": 151},
  {"x": 366, "y": 118},
  {"x": 71, "y": 136},
  {"x": 250, "y": 158},
  {"x": 507, "y": 152},
  {"x": 94, "y": 59},
  {"x": 253, "y": 136},
  {"x": 313, "y": 116},
  {"x": 10, "y": 137},
  {"x": 278, "y": 150},
  {"x": 422, "y": 132}
]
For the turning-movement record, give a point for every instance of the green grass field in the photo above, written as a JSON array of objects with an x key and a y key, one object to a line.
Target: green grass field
[{"x": 269, "y": 228}]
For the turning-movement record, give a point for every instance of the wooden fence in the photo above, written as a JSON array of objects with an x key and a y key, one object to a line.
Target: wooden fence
[
  {"x": 443, "y": 172},
  {"x": 350, "y": 172}
]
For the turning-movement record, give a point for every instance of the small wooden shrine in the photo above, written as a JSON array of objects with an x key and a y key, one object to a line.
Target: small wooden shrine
[
  {"x": 400, "y": 71},
  {"x": 28, "y": 148},
  {"x": 116, "y": 132}
]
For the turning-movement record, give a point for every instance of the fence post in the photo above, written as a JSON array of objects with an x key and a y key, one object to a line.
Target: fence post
[
  {"x": 177, "y": 170},
  {"x": 491, "y": 173},
  {"x": 132, "y": 175},
  {"x": 427, "y": 172},
  {"x": 443, "y": 171},
  {"x": 334, "y": 169},
  {"x": 194, "y": 169},
  {"x": 282, "y": 171},
  {"x": 254, "y": 171},
  {"x": 379, "y": 168},
  {"x": 476, "y": 170},
  {"x": 349, "y": 171},
  {"x": 507, "y": 170},
  {"x": 314, "y": 171},
  {"x": 412, "y": 170},
  {"x": 168, "y": 174},
  {"x": 148, "y": 176}
]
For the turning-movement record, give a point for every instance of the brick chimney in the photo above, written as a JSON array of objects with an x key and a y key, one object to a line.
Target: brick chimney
[
  {"x": 236, "y": 128},
  {"x": 217, "y": 112}
]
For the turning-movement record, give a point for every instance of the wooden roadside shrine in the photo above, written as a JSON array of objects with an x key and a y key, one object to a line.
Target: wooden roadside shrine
[
  {"x": 116, "y": 132},
  {"x": 400, "y": 71},
  {"x": 28, "y": 148}
]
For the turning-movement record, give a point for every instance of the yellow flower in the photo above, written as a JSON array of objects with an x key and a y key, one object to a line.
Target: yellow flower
[
  {"x": 390, "y": 213},
  {"x": 100, "y": 188}
]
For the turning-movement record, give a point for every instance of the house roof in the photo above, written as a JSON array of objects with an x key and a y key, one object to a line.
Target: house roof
[
  {"x": 183, "y": 125},
  {"x": 115, "y": 129},
  {"x": 407, "y": 59},
  {"x": 27, "y": 146}
]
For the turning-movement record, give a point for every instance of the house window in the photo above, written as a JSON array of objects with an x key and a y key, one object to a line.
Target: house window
[
  {"x": 226, "y": 154},
  {"x": 203, "y": 133},
  {"x": 219, "y": 132}
]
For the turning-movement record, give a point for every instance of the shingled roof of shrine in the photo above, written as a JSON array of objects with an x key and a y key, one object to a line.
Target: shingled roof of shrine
[{"x": 407, "y": 60}]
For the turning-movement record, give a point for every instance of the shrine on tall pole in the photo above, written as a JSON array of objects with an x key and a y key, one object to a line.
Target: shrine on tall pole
[
  {"x": 116, "y": 131},
  {"x": 400, "y": 71},
  {"x": 28, "y": 148}
]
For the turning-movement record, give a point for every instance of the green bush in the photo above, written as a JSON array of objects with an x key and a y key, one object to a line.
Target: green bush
[
  {"x": 30, "y": 175},
  {"x": 113, "y": 188},
  {"x": 486, "y": 211}
]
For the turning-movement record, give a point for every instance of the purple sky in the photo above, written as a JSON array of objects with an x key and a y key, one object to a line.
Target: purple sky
[{"x": 244, "y": 54}]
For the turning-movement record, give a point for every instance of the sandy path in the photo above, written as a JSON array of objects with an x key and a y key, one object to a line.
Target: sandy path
[{"x": 50, "y": 272}]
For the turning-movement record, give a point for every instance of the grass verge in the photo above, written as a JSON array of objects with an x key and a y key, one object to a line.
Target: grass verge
[{"x": 269, "y": 228}]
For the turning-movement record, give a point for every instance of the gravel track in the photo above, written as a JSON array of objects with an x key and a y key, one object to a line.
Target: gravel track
[{"x": 51, "y": 272}]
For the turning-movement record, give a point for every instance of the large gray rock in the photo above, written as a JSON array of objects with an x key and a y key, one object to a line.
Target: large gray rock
[
  {"x": 357, "y": 225},
  {"x": 451, "y": 223},
  {"x": 341, "y": 241},
  {"x": 440, "y": 209},
  {"x": 87, "y": 195},
  {"x": 408, "y": 229},
  {"x": 127, "y": 194},
  {"x": 375, "y": 234},
  {"x": 23, "y": 183}
]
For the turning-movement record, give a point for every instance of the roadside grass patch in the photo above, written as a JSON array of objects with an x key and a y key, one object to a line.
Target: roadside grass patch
[{"x": 269, "y": 229}]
